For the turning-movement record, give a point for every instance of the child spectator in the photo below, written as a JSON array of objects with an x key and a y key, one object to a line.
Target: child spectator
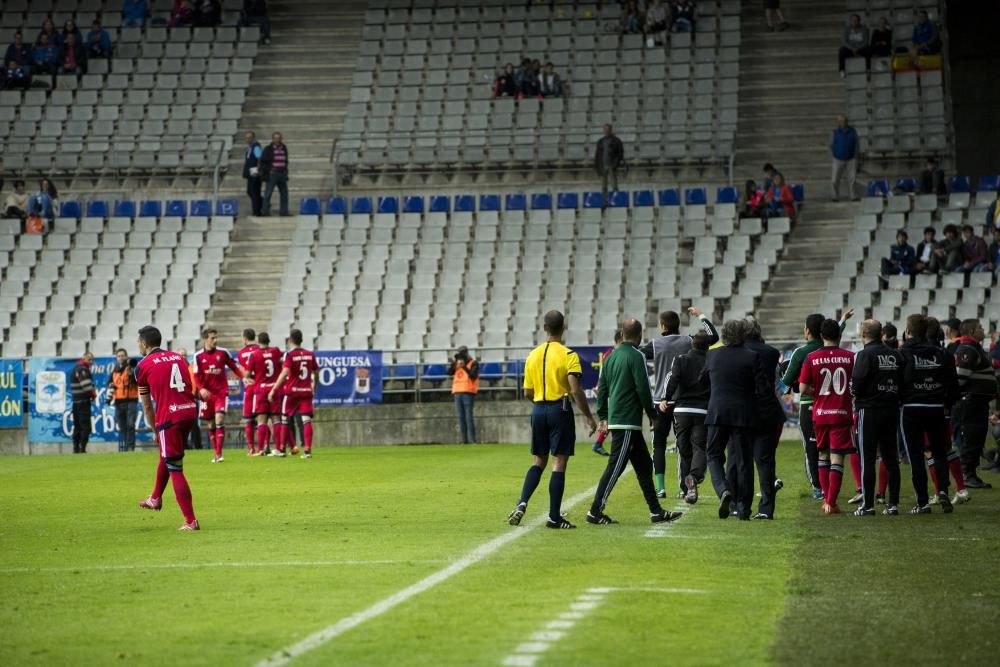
[
  {"x": 16, "y": 76},
  {"x": 682, "y": 15},
  {"x": 134, "y": 13},
  {"x": 753, "y": 201},
  {"x": 46, "y": 56},
  {"x": 901, "y": 257},
  {"x": 98, "y": 41},
  {"x": 505, "y": 84},
  {"x": 926, "y": 259},
  {"x": 926, "y": 41},
  {"x": 549, "y": 82},
  {"x": 779, "y": 197},
  {"x": 881, "y": 45},
  {"x": 72, "y": 58},
  {"x": 854, "y": 44}
]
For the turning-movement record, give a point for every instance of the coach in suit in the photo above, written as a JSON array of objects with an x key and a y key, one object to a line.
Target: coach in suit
[
  {"x": 735, "y": 375},
  {"x": 771, "y": 420}
]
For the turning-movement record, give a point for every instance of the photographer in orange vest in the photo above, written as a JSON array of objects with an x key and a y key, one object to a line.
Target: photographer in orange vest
[
  {"x": 464, "y": 387},
  {"x": 123, "y": 390}
]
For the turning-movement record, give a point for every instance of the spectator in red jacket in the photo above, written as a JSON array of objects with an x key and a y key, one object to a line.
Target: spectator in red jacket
[
  {"x": 779, "y": 197},
  {"x": 974, "y": 257}
]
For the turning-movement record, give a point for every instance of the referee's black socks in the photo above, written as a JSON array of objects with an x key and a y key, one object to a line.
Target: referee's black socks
[
  {"x": 531, "y": 480},
  {"x": 557, "y": 485}
]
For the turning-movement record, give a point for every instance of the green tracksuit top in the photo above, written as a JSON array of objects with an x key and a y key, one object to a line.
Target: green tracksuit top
[{"x": 623, "y": 392}]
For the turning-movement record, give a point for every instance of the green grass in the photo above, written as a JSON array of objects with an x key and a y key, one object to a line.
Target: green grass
[{"x": 82, "y": 577}]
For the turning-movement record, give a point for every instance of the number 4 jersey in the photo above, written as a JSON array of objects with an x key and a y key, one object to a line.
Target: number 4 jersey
[
  {"x": 164, "y": 376},
  {"x": 829, "y": 370}
]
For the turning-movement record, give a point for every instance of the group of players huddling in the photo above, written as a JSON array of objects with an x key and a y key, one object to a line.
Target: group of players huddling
[{"x": 279, "y": 387}]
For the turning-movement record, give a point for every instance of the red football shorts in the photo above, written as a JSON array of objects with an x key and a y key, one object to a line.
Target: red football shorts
[
  {"x": 172, "y": 438},
  {"x": 248, "y": 396},
  {"x": 837, "y": 438},
  {"x": 262, "y": 406},
  {"x": 297, "y": 405},
  {"x": 213, "y": 404}
]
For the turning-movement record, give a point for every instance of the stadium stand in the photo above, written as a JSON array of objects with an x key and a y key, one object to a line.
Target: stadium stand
[
  {"x": 421, "y": 94},
  {"x": 167, "y": 104}
]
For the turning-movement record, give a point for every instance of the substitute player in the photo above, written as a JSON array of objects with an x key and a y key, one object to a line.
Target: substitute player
[
  {"x": 265, "y": 365},
  {"x": 826, "y": 377},
  {"x": 243, "y": 356},
  {"x": 164, "y": 382},
  {"x": 300, "y": 372},
  {"x": 213, "y": 388}
]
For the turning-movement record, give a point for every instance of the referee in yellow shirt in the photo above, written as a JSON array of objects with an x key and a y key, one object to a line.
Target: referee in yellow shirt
[{"x": 551, "y": 374}]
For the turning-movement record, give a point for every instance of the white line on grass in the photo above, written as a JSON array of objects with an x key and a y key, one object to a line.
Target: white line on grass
[
  {"x": 195, "y": 566},
  {"x": 483, "y": 551}
]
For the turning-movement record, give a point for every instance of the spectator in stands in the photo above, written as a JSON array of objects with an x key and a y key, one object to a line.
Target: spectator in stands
[
  {"x": 531, "y": 81},
  {"x": 901, "y": 257},
  {"x": 855, "y": 43},
  {"x": 949, "y": 250},
  {"x": 182, "y": 14},
  {"x": 45, "y": 203},
  {"x": 46, "y": 56},
  {"x": 19, "y": 52},
  {"x": 464, "y": 372},
  {"x": 931, "y": 180},
  {"x": 844, "y": 148},
  {"x": 251, "y": 171},
  {"x": 890, "y": 336},
  {"x": 926, "y": 41},
  {"x": 769, "y": 172},
  {"x": 274, "y": 171},
  {"x": 609, "y": 156},
  {"x": 16, "y": 76},
  {"x": 682, "y": 16},
  {"x": 752, "y": 205},
  {"x": 974, "y": 252},
  {"x": 993, "y": 213},
  {"x": 549, "y": 82},
  {"x": 992, "y": 253},
  {"x": 772, "y": 14},
  {"x": 50, "y": 29},
  {"x": 632, "y": 20},
  {"x": 657, "y": 20},
  {"x": 69, "y": 28},
  {"x": 927, "y": 261},
  {"x": 134, "y": 13},
  {"x": 881, "y": 44},
  {"x": 779, "y": 198},
  {"x": 98, "y": 41},
  {"x": 207, "y": 14},
  {"x": 16, "y": 205},
  {"x": 505, "y": 84},
  {"x": 72, "y": 58},
  {"x": 255, "y": 13}
]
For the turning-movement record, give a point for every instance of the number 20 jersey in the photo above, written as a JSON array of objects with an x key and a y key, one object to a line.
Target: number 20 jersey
[{"x": 829, "y": 370}]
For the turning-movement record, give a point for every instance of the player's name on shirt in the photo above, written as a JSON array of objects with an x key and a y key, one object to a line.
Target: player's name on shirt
[{"x": 831, "y": 360}]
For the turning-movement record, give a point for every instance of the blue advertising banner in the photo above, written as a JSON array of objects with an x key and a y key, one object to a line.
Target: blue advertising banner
[
  {"x": 11, "y": 393},
  {"x": 50, "y": 416},
  {"x": 348, "y": 377},
  {"x": 591, "y": 359}
]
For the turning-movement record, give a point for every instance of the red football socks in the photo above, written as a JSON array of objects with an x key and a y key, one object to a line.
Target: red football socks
[
  {"x": 824, "y": 477},
  {"x": 279, "y": 437},
  {"x": 183, "y": 494},
  {"x": 883, "y": 478},
  {"x": 220, "y": 439},
  {"x": 307, "y": 434},
  {"x": 836, "y": 477},
  {"x": 263, "y": 435},
  {"x": 161, "y": 480},
  {"x": 955, "y": 465},
  {"x": 932, "y": 471},
  {"x": 856, "y": 469},
  {"x": 251, "y": 431}
]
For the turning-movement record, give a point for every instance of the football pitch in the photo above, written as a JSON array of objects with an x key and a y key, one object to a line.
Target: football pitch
[{"x": 402, "y": 556}]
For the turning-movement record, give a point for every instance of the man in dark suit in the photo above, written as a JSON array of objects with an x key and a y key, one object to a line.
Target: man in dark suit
[
  {"x": 735, "y": 375},
  {"x": 772, "y": 419}
]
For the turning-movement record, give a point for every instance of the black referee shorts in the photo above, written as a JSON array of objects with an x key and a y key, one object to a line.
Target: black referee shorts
[{"x": 553, "y": 430}]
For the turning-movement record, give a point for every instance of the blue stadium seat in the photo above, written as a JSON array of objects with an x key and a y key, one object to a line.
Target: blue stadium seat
[
  {"x": 309, "y": 206},
  {"x": 413, "y": 204},
  {"x": 177, "y": 208},
  {"x": 618, "y": 199},
  {"x": 906, "y": 184},
  {"x": 878, "y": 187},
  {"x": 643, "y": 198},
  {"x": 97, "y": 209},
  {"x": 440, "y": 204},
  {"x": 386, "y": 372},
  {"x": 799, "y": 192},
  {"x": 959, "y": 184},
  {"x": 124, "y": 209},
  {"x": 727, "y": 195},
  {"x": 489, "y": 202},
  {"x": 568, "y": 200},
  {"x": 515, "y": 202},
  {"x": 229, "y": 207},
  {"x": 70, "y": 209},
  {"x": 336, "y": 206},
  {"x": 491, "y": 371},
  {"x": 989, "y": 183},
  {"x": 388, "y": 204},
  {"x": 465, "y": 203},
  {"x": 150, "y": 208},
  {"x": 404, "y": 372},
  {"x": 695, "y": 197},
  {"x": 593, "y": 200},
  {"x": 361, "y": 205},
  {"x": 671, "y": 197},
  {"x": 201, "y": 208},
  {"x": 541, "y": 201},
  {"x": 434, "y": 372}
]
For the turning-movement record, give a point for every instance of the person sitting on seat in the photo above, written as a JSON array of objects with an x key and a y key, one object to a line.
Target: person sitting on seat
[
  {"x": 549, "y": 82},
  {"x": 854, "y": 44},
  {"x": 974, "y": 253},
  {"x": 753, "y": 201},
  {"x": 46, "y": 56},
  {"x": 926, "y": 41},
  {"x": 901, "y": 257},
  {"x": 780, "y": 198},
  {"x": 881, "y": 44},
  {"x": 931, "y": 180},
  {"x": 926, "y": 260},
  {"x": 505, "y": 84}
]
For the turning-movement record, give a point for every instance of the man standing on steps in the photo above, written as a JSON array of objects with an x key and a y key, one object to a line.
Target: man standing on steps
[
  {"x": 622, "y": 398},
  {"x": 609, "y": 156},
  {"x": 844, "y": 148},
  {"x": 251, "y": 171},
  {"x": 274, "y": 171}
]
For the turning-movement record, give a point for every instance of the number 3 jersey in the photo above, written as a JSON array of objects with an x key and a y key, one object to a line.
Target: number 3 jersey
[
  {"x": 829, "y": 371},
  {"x": 164, "y": 376},
  {"x": 301, "y": 365},
  {"x": 265, "y": 364}
]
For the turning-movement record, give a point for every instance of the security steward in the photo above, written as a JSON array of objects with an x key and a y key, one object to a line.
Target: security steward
[
  {"x": 552, "y": 373},
  {"x": 464, "y": 372},
  {"x": 124, "y": 393}
]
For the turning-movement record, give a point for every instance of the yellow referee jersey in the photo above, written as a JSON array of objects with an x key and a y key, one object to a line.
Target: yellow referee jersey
[{"x": 547, "y": 370}]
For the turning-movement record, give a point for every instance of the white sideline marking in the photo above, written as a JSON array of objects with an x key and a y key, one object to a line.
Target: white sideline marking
[
  {"x": 483, "y": 551},
  {"x": 194, "y": 566}
]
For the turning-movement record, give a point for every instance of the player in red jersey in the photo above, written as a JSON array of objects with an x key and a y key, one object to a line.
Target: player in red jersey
[
  {"x": 264, "y": 367},
  {"x": 163, "y": 380},
  {"x": 243, "y": 356},
  {"x": 300, "y": 371},
  {"x": 826, "y": 376},
  {"x": 213, "y": 388}
]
